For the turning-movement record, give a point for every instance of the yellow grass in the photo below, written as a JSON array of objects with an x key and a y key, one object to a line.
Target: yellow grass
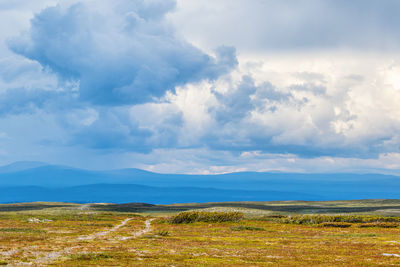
[{"x": 63, "y": 241}]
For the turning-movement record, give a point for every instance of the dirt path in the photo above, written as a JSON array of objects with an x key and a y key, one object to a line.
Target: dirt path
[
  {"x": 47, "y": 257},
  {"x": 101, "y": 234},
  {"x": 146, "y": 229}
]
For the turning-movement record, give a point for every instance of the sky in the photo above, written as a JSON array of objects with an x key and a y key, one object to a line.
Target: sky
[{"x": 188, "y": 86}]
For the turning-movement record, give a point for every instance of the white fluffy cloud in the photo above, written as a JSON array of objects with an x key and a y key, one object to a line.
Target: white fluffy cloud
[{"x": 313, "y": 112}]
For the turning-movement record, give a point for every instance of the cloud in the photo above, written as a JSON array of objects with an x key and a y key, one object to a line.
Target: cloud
[
  {"x": 205, "y": 161},
  {"x": 111, "y": 133},
  {"x": 25, "y": 87},
  {"x": 90, "y": 62},
  {"x": 118, "y": 128},
  {"x": 292, "y": 25},
  {"x": 103, "y": 83},
  {"x": 316, "y": 114},
  {"x": 121, "y": 52}
]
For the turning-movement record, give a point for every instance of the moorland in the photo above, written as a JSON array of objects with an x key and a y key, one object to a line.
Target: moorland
[{"x": 279, "y": 233}]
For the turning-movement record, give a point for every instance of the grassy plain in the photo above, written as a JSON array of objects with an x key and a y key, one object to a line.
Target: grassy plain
[{"x": 271, "y": 234}]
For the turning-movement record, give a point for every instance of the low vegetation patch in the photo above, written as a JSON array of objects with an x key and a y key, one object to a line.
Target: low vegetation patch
[
  {"x": 22, "y": 230},
  {"x": 335, "y": 224},
  {"x": 321, "y": 219},
  {"x": 90, "y": 256},
  {"x": 354, "y": 235},
  {"x": 98, "y": 224},
  {"x": 163, "y": 233},
  {"x": 202, "y": 216},
  {"x": 243, "y": 228},
  {"x": 379, "y": 224}
]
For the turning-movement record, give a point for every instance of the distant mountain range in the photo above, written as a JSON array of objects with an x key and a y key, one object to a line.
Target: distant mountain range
[{"x": 34, "y": 181}]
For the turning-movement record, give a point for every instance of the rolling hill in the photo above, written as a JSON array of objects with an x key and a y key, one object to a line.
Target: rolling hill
[{"x": 29, "y": 181}]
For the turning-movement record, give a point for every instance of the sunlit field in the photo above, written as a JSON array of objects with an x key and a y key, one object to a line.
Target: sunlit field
[{"x": 222, "y": 234}]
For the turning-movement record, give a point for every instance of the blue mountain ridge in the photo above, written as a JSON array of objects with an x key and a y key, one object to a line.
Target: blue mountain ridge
[{"x": 44, "y": 182}]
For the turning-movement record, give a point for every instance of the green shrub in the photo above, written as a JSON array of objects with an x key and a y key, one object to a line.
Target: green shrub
[
  {"x": 3, "y": 263},
  {"x": 319, "y": 219},
  {"x": 243, "y": 228},
  {"x": 220, "y": 216},
  {"x": 22, "y": 230},
  {"x": 274, "y": 216},
  {"x": 335, "y": 224},
  {"x": 202, "y": 216},
  {"x": 91, "y": 256},
  {"x": 185, "y": 217},
  {"x": 379, "y": 224},
  {"x": 163, "y": 233}
]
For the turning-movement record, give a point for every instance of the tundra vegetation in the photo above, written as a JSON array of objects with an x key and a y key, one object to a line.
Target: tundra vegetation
[{"x": 346, "y": 233}]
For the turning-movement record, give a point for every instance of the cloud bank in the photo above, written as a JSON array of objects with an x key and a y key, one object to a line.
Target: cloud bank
[
  {"x": 293, "y": 25},
  {"x": 123, "y": 52},
  {"x": 136, "y": 83}
]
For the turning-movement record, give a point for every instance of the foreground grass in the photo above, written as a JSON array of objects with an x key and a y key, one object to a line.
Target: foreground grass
[{"x": 296, "y": 240}]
